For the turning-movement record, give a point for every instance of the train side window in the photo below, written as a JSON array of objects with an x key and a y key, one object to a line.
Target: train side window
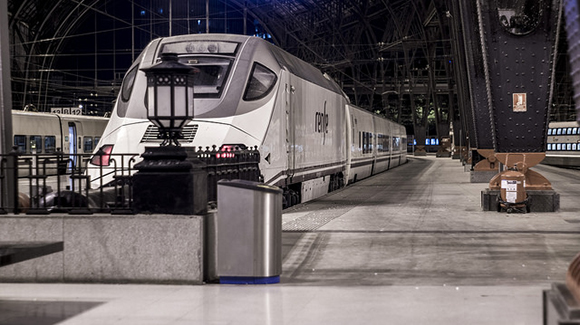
[
  {"x": 261, "y": 82},
  {"x": 97, "y": 139},
  {"x": 88, "y": 144},
  {"x": 549, "y": 131},
  {"x": 575, "y": 131},
  {"x": 128, "y": 83},
  {"x": 20, "y": 142},
  {"x": 559, "y": 131},
  {"x": 35, "y": 143},
  {"x": 568, "y": 146},
  {"x": 569, "y": 131},
  {"x": 396, "y": 143},
  {"x": 574, "y": 146},
  {"x": 49, "y": 143}
]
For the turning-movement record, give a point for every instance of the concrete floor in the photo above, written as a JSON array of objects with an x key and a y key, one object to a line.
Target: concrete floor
[{"x": 409, "y": 246}]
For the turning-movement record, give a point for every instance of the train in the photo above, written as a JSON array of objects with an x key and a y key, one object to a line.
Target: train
[
  {"x": 39, "y": 133},
  {"x": 249, "y": 92},
  {"x": 563, "y": 145}
]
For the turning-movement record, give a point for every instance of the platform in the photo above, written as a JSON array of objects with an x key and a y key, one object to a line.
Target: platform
[{"x": 409, "y": 246}]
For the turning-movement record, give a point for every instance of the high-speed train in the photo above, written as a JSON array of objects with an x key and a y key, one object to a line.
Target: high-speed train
[
  {"x": 250, "y": 92},
  {"x": 563, "y": 147}
]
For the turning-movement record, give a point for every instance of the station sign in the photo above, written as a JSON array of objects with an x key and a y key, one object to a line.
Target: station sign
[{"x": 67, "y": 110}]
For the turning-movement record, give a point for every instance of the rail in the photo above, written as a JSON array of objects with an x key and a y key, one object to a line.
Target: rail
[{"x": 71, "y": 183}]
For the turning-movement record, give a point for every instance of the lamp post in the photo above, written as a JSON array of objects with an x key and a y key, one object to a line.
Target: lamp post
[
  {"x": 169, "y": 97},
  {"x": 166, "y": 181}
]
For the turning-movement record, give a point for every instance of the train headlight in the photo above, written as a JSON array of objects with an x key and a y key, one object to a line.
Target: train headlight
[{"x": 170, "y": 97}]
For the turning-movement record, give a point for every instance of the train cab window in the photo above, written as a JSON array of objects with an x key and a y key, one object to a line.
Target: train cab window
[
  {"x": 20, "y": 142},
  {"x": 49, "y": 143},
  {"x": 88, "y": 144},
  {"x": 128, "y": 83},
  {"x": 261, "y": 82},
  {"x": 209, "y": 80},
  {"x": 35, "y": 144}
]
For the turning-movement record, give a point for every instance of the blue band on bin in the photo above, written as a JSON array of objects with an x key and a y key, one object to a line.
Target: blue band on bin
[{"x": 249, "y": 280}]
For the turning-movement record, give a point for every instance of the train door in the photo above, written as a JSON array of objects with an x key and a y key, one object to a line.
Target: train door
[
  {"x": 349, "y": 127},
  {"x": 72, "y": 136},
  {"x": 373, "y": 143},
  {"x": 291, "y": 109}
]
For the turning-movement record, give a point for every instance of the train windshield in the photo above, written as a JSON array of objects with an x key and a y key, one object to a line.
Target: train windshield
[
  {"x": 213, "y": 71},
  {"x": 519, "y": 17}
]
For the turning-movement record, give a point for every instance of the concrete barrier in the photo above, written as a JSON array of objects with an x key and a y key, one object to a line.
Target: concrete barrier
[{"x": 109, "y": 248}]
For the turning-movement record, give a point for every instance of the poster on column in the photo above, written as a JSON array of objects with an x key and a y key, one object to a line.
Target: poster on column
[{"x": 520, "y": 102}]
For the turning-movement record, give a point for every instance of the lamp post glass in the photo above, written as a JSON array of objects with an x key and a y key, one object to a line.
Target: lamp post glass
[{"x": 170, "y": 97}]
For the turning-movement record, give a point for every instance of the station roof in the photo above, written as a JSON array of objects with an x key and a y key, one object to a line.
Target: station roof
[{"x": 67, "y": 52}]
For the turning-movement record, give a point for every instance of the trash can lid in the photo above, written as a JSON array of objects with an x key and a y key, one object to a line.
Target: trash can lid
[{"x": 255, "y": 186}]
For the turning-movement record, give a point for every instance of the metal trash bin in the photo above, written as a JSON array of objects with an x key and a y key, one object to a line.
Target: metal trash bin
[{"x": 249, "y": 232}]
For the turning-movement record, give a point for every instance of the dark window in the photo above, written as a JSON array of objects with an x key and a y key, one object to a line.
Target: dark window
[
  {"x": 383, "y": 143},
  {"x": 88, "y": 144},
  {"x": 35, "y": 144},
  {"x": 209, "y": 80},
  {"x": 20, "y": 142},
  {"x": 261, "y": 82},
  {"x": 367, "y": 142},
  {"x": 128, "y": 83},
  {"x": 396, "y": 143},
  {"x": 50, "y": 143}
]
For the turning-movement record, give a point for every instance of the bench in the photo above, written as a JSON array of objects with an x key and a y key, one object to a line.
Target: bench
[{"x": 14, "y": 252}]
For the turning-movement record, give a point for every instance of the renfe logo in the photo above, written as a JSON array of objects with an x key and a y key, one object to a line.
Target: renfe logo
[{"x": 321, "y": 121}]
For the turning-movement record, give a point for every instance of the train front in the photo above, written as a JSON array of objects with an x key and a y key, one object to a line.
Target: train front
[{"x": 233, "y": 100}]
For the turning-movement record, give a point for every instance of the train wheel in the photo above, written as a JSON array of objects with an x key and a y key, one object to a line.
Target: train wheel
[{"x": 295, "y": 198}]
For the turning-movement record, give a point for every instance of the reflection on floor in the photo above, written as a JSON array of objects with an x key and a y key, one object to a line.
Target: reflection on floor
[{"x": 25, "y": 312}]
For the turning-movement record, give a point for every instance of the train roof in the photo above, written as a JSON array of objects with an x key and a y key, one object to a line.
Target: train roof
[
  {"x": 47, "y": 114},
  {"x": 286, "y": 60}
]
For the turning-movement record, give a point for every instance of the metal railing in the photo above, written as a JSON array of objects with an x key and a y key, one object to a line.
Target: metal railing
[
  {"x": 60, "y": 182},
  {"x": 227, "y": 163},
  {"x": 70, "y": 183}
]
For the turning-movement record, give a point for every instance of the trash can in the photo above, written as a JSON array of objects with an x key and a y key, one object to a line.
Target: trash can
[{"x": 249, "y": 232}]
